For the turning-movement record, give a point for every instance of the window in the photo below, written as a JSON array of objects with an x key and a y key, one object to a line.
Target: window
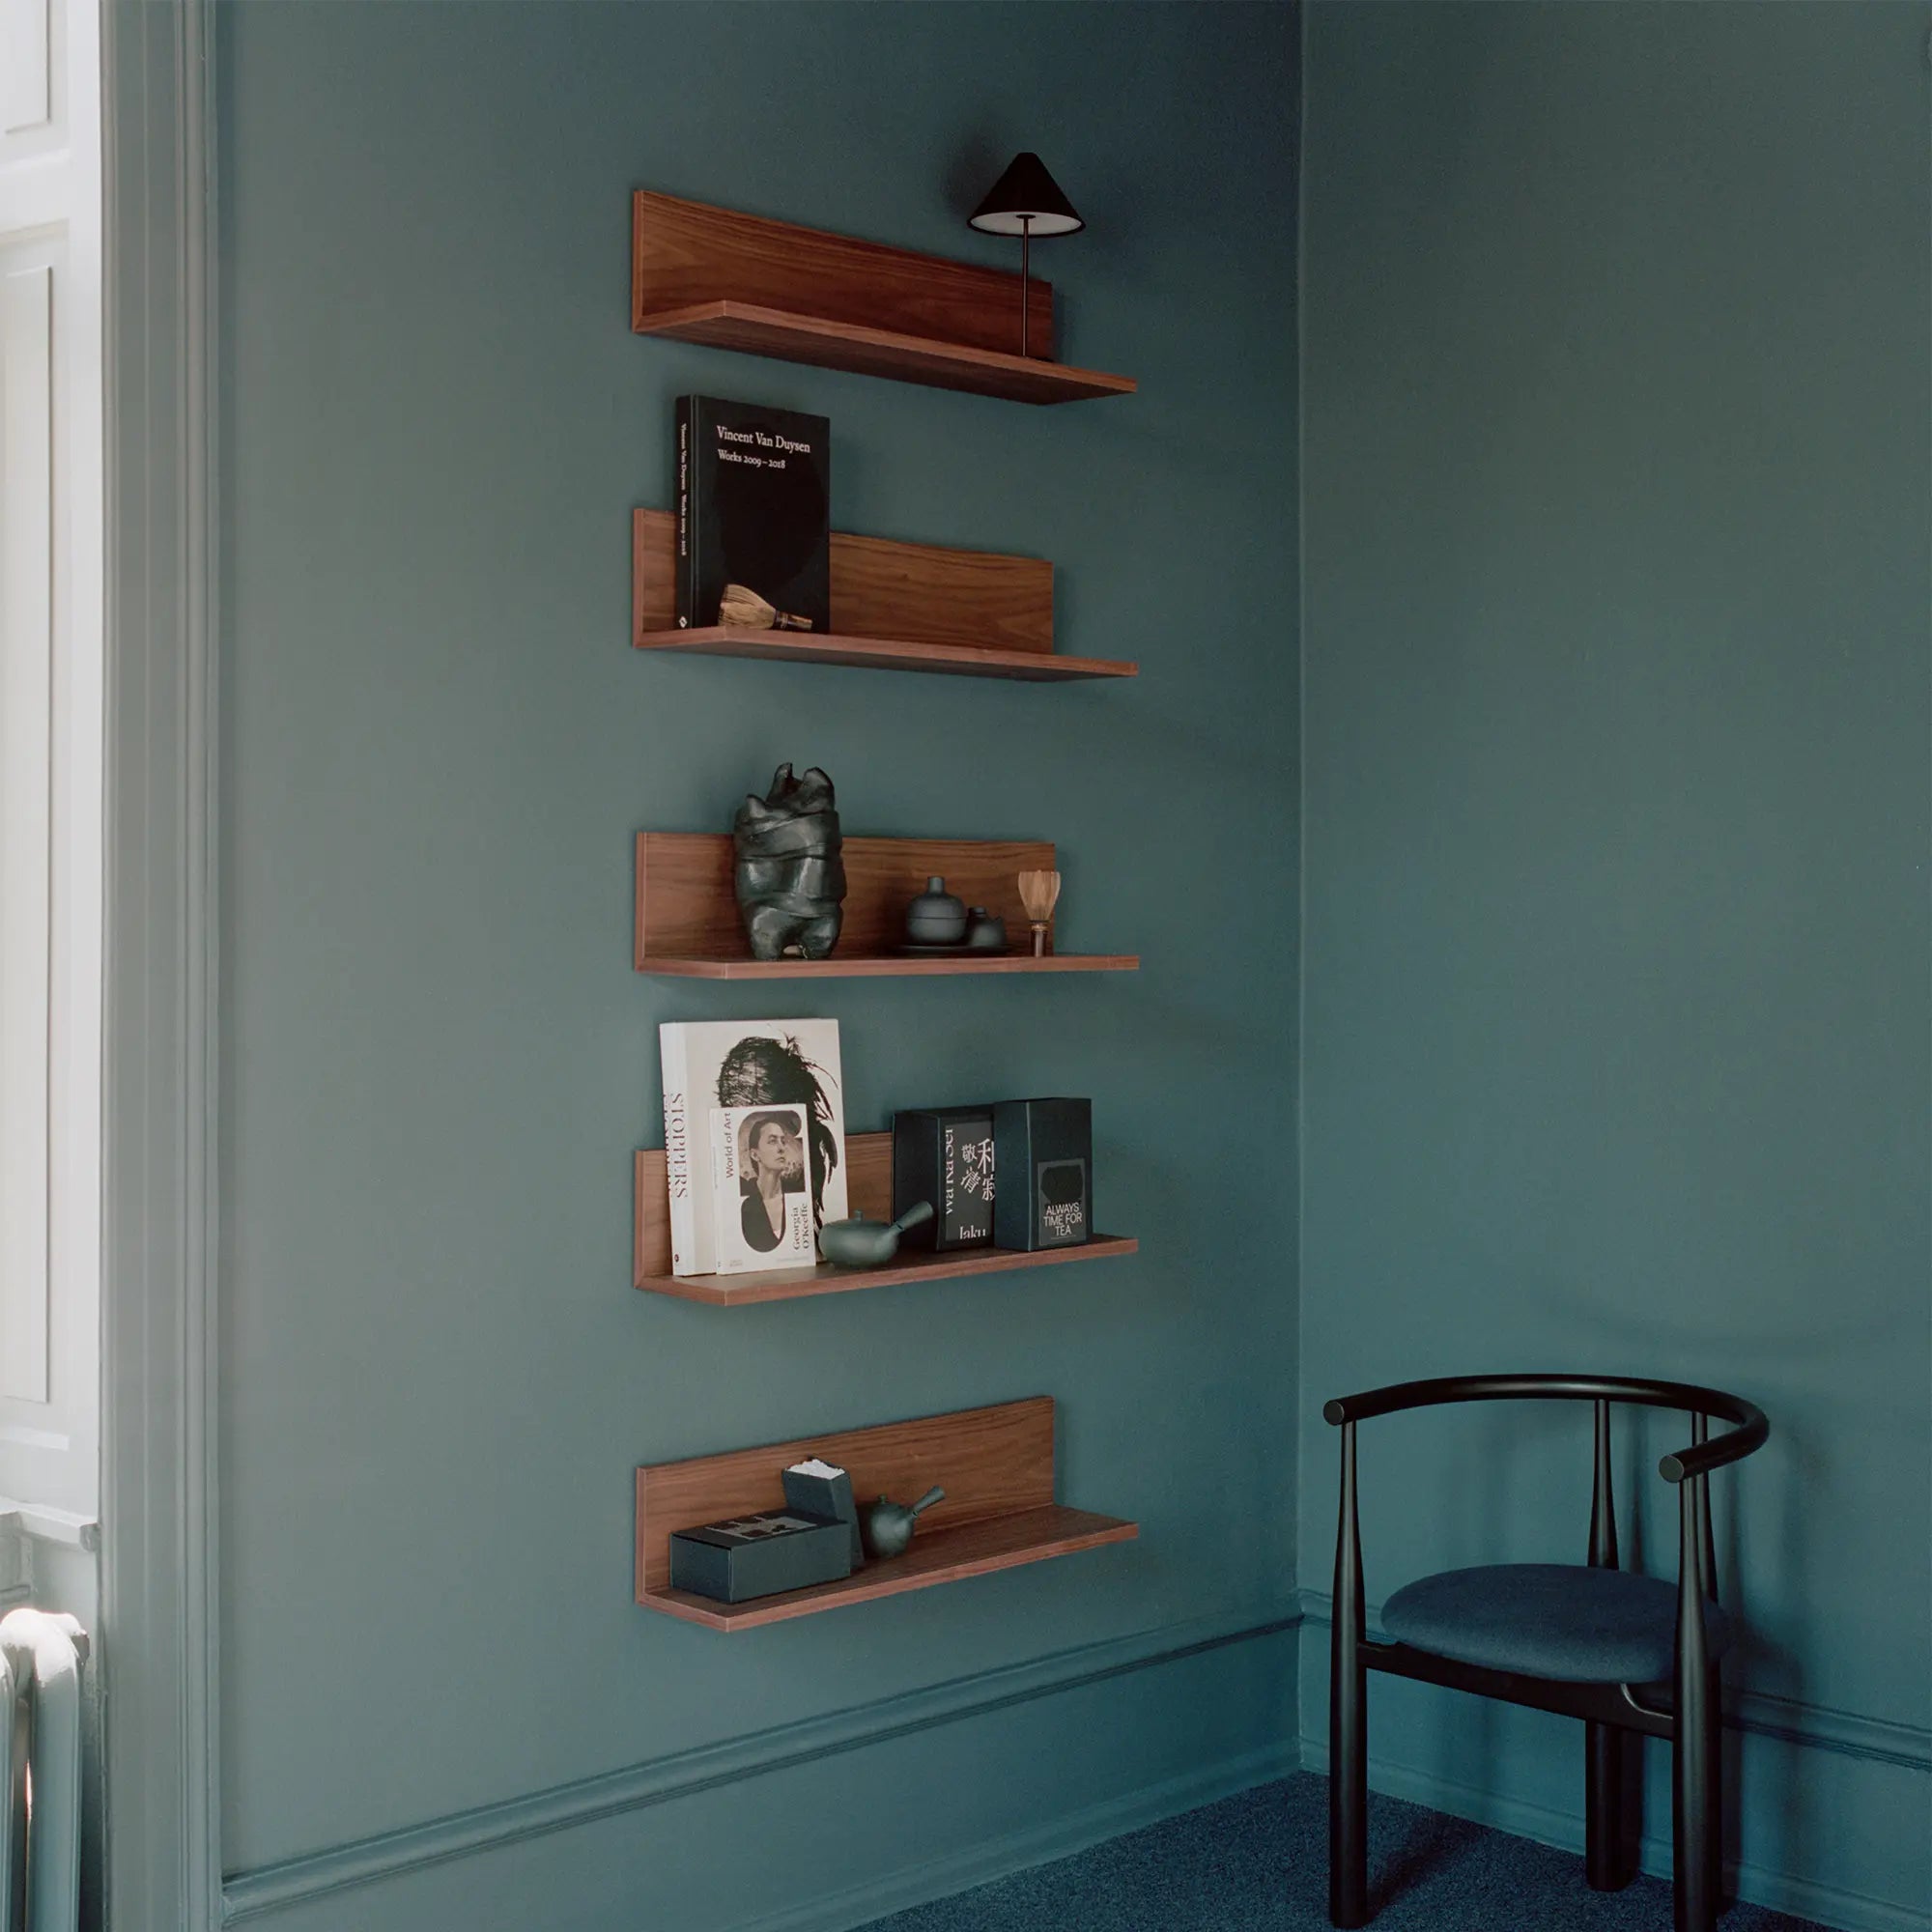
[{"x": 50, "y": 757}]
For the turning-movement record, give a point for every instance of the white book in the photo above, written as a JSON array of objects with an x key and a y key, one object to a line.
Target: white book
[
  {"x": 727, "y": 1064},
  {"x": 761, "y": 1192}
]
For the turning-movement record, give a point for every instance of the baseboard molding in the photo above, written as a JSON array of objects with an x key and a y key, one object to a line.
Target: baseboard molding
[
  {"x": 1853, "y": 1911},
  {"x": 267, "y": 1888},
  {"x": 1816, "y": 1726},
  {"x": 941, "y": 1878}
]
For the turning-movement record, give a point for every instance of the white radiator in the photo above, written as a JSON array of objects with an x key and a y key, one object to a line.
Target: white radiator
[{"x": 41, "y": 1655}]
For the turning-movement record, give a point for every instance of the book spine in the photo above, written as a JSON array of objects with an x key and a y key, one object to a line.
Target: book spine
[
  {"x": 682, "y": 486},
  {"x": 679, "y": 1179}
]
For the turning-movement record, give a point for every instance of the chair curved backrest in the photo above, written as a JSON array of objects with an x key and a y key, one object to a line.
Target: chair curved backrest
[{"x": 1704, "y": 1454}]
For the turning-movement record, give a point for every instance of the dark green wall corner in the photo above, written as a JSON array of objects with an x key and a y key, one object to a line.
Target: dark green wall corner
[{"x": 1617, "y": 439}]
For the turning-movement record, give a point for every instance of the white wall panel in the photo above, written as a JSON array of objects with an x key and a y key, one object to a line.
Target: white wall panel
[
  {"x": 50, "y": 752},
  {"x": 26, "y": 700},
  {"x": 26, "y": 45}
]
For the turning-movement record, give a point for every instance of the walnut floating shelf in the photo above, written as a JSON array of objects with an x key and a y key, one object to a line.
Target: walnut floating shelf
[
  {"x": 731, "y": 640},
  {"x": 688, "y": 926},
  {"x": 898, "y": 607},
  {"x": 868, "y": 1184},
  {"x": 997, "y": 1468},
  {"x": 888, "y": 966},
  {"x": 879, "y": 351},
  {"x": 803, "y": 295}
]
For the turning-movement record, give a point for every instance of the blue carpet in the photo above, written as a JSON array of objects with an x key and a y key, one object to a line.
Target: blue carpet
[{"x": 1259, "y": 1863}]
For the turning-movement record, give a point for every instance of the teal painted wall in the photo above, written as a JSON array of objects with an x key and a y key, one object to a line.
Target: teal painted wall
[
  {"x": 1617, "y": 436},
  {"x": 437, "y": 1379}
]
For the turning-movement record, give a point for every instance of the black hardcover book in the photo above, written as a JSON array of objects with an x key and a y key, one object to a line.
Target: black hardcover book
[
  {"x": 1045, "y": 1150},
  {"x": 945, "y": 1155},
  {"x": 754, "y": 491}
]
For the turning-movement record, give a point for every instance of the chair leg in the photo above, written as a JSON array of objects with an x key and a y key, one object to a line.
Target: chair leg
[
  {"x": 1604, "y": 1862},
  {"x": 1347, "y": 1782},
  {"x": 1348, "y": 1716},
  {"x": 1714, "y": 1838},
  {"x": 1694, "y": 1823}
]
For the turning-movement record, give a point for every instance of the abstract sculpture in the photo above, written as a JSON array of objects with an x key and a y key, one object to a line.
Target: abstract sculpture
[{"x": 790, "y": 880}]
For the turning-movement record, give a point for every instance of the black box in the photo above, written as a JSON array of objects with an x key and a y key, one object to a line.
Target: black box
[
  {"x": 945, "y": 1155},
  {"x": 758, "y": 1555},
  {"x": 1045, "y": 1150},
  {"x": 809, "y": 1495}
]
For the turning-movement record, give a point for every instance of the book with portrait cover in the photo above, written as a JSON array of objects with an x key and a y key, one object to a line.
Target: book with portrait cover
[
  {"x": 789, "y": 1068},
  {"x": 754, "y": 492},
  {"x": 760, "y": 1199}
]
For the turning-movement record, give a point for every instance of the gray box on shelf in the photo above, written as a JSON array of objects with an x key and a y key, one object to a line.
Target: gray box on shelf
[
  {"x": 807, "y": 1495},
  {"x": 759, "y": 1556}
]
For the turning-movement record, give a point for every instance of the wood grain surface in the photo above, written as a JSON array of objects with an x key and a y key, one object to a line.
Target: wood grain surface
[
  {"x": 938, "y": 1556},
  {"x": 995, "y": 1465},
  {"x": 686, "y": 908},
  {"x": 845, "y": 965},
  {"x": 788, "y": 337},
  {"x": 685, "y": 254},
  {"x": 885, "y": 654},
  {"x": 869, "y": 1186},
  {"x": 909, "y": 593}
]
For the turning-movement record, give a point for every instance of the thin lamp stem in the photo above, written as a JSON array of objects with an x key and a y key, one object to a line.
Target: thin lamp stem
[{"x": 1026, "y": 245}]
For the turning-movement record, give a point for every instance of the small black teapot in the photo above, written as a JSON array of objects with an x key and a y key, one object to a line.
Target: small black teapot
[{"x": 889, "y": 1526}]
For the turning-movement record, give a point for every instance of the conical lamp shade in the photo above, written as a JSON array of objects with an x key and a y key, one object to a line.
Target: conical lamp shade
[{"x": 1026, "y": 198}]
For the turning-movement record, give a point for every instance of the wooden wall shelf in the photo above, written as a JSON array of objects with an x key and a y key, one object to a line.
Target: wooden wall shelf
[
  {"x": 996, "y": 1465},
  {"x": 898, "y": 607},
  {"x": 868, "y": 1188},
  {"x": 688, "y": 924},
  {"x": 728, "y": 280}
]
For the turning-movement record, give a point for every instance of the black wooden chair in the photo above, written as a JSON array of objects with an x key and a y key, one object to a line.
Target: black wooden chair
[{"x": 1580, "y": 1639}]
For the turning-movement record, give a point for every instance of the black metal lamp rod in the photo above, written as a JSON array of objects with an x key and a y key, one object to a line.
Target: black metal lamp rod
[{"x": 1026, "y": 244}]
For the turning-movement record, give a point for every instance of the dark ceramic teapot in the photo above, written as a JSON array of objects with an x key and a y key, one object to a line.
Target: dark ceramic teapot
[
  {"x": 889, "y": 1526},
  {"x": 859, "y": 1243}
]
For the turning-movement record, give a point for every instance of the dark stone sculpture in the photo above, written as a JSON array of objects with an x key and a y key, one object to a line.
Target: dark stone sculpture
[{"x": 790, "y": 879}]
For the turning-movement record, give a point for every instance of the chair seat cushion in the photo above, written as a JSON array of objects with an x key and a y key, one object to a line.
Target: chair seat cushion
[{"x": 1559, "y": 1620}]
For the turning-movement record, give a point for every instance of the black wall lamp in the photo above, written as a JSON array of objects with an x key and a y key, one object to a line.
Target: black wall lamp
[{"x": 1026, "y": 201}]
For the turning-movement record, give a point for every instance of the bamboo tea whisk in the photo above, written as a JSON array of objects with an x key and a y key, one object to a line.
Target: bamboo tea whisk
[
  {"x": 744, "y": 608},
  {"x": 1040, "y": 892}
]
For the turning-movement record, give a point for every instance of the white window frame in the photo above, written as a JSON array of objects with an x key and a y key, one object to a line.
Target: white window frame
[
  {"x": 50, "y": 764},
  {"x": 157, "y": 1471}
]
